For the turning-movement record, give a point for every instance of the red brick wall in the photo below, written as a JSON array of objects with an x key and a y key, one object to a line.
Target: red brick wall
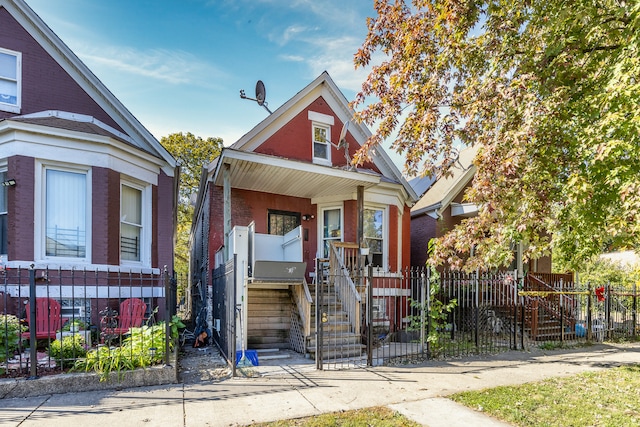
[
  {"x": 163, "y": 220},
  {"x": 105, "y": 223},
  {"x": 45, "y": 85},
  {"x": 294, "y": 140},
  {"x": 21, "y": 210}
]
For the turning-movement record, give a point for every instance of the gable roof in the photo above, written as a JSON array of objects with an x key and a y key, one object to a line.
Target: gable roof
[
  {"x": 325, "y": 87},
  {"x": 443, "y": 191},
  {"x": 138, "y": 135}
]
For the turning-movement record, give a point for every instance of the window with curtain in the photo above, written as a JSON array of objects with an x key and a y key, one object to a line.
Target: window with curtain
[
  {"x": 65, "y": 213},
  {"x": 331, "y": 228},
  {"x": 373, "y": 230},
  {"x": 282, "y": 222},
  {"x": 10, "y": 75},
  {"x": 3, "y": 214},
  {"x": 130, "y": 223}
]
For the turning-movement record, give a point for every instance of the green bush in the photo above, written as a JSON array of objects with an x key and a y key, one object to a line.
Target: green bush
[
  {"x": 67, "y": 350},
  {"x": 10, "y": 331},
  {"x": 79, "y": 324},
  {"x": 145, "y": 346}
]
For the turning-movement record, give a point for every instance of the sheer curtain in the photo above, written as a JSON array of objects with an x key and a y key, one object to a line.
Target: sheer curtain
[{"x": 66, "y": 213}]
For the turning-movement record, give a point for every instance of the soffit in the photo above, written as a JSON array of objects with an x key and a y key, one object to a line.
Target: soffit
[{"x": 276, "y": 175}]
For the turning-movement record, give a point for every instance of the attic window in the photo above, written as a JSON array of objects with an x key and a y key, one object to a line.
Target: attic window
[
  {"x": 321, "y": 137},
  {"x": 10, "y": 80}
]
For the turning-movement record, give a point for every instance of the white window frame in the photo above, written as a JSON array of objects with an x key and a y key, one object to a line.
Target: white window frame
[
  {"x": 322, "y": 121},
  {"x": 321, "y": 160},
  {"x": 385, "y": 233},
  {"x": 40, "y": 212},
  {"x": 321, "y": 239},
  {"x": 6, "y": 106},
  {"x": 145, "y": 233}
]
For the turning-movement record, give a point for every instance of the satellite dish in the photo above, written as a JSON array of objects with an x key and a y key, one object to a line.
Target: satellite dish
[
  {"x": 343, "y": 132},
  {"x": 261, "y": 93}
]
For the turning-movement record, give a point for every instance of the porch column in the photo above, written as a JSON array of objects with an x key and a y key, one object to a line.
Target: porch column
[
  {"x": 226, "y": 176},
  {"x": 359, "y": 237}
]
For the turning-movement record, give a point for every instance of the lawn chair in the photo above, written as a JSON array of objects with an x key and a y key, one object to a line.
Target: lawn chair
[
  {"x": 48, "y": 319},
  {"x": 131, "y": 316}
]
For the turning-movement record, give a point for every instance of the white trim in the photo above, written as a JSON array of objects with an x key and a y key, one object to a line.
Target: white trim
[
  {"x": 324, "y": 119},
  {"x": 320, "y": 215},
  {"x": 60, "y": 145},
  {"x": 71, "y": 265},
  {"x": 80, "y": 292},
  {"x": 5, "y": 106},
  {"x": 40, "y": 209},
  {"x": 325, "y": 161},
  {"x": 146, "y": 226},
  {"x": 385, "y": 232}
]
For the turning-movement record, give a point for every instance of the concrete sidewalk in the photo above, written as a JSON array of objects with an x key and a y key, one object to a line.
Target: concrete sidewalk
[{"x": 300, "y": 390}]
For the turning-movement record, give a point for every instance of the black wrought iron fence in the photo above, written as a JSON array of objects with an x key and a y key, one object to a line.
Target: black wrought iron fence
[
  {"x": 422, "y": 314},
  {"x": 56, "y": 320},
  {"x": 224, "y": 312}
]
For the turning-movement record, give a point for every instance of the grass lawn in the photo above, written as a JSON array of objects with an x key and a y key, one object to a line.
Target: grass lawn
[
  {"x": 378, "y": 416},
  {"x": 605, "y": 398}
]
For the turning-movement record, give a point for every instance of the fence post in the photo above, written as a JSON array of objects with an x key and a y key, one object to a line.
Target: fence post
[
  {"x": 634, "y": 312},
  {"x": 589, "y": 332},
  {"x": 516, "y": 285},
  {"x": 427, "y": 308},
  {"x": 607, "y": 311},
  {"x": 476, "y": 329},
  {"x": 33, "y": 342},
  {"x": 561, "y": 312},
  {"x": 167, "y": 315},
  {"x": 369, "y": 316},
  {"x": 319, "y": 280},
  {"x": 423, "y": 302}
]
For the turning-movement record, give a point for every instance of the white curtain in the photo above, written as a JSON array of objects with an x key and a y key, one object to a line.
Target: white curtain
[{"x": 66, "y": 213}]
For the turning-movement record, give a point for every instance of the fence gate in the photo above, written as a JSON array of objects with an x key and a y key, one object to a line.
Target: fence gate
[{"x": 339, "y": 319}]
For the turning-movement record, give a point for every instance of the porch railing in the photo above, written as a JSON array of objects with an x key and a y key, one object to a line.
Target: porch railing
[
  {"x": 303, "y": 300},
  {"x": 342, "y": 264}
]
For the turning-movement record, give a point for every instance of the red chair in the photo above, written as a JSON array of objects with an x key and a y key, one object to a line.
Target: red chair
[
  {"x": 48, "y": 319},
  {"x": 131, "y": 316}
]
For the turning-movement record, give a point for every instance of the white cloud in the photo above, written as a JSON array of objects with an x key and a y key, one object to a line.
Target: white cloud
[{"x": 167, "y": 66}]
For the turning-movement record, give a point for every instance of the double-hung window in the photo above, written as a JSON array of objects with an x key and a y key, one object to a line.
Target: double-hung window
[
  {"x": 374, "y": 235},
  {"x": 133, "y": 224},
  {"x": 10, "y": 80},
  {"x": 66, "y": 213},
  {"x": 4, "y": 205},
  {"x": 321, "y": 146}
]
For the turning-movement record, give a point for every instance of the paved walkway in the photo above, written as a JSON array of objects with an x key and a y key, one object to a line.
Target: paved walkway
[{"x": 299, "y": 390}]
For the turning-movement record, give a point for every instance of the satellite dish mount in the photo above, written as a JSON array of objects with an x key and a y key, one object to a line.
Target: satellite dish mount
[
  {"x": 342, "y": 143},
  {"x": 261, "y": 95}
]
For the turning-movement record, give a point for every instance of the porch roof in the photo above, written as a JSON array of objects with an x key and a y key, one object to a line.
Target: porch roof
[{"x": 277, "y": 175}]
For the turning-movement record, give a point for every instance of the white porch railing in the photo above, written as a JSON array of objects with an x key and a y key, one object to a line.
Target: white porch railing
[{"x": 340, "y": 275}]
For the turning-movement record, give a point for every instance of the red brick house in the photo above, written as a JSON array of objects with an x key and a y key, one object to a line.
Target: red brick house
[
  {"x": 284, "y": 192},
  {"x": 84, "y": 184}
]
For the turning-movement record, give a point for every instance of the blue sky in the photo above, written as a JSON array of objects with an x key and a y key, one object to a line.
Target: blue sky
[{"x": 179, "y": 65}]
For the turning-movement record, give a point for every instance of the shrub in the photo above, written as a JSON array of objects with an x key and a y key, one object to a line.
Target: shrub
[
  {"x": 67, "y": 350},
  {"x": 10, "y": 331}
]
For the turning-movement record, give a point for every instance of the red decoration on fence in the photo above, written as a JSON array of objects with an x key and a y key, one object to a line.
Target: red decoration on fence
[{"x": 600, "y": 293}]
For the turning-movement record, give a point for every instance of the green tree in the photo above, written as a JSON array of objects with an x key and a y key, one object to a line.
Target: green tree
[
  {"x": 192, "y": 152},
  {"x": 549, "y": 91}
]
